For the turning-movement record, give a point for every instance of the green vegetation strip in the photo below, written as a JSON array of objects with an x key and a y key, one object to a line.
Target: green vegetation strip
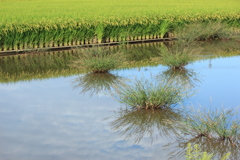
[
  {"x": 41, "y": 23},
  {"x": 45, "y": 65},
  {"x": 60, "y": 48}
]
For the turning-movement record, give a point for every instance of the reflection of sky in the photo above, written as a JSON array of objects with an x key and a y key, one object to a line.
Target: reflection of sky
[
  {"x": 221, "y": 82},
  {"x": 49, "y": 120}
]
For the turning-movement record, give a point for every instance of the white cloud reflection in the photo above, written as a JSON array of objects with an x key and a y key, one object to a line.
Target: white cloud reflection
[{"x": 48, "y": 120}]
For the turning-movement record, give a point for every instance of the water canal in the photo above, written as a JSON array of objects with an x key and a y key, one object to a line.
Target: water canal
[{"x": 51, "y": 113}]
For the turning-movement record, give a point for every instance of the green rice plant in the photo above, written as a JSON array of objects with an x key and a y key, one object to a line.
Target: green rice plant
[
  {"x": 67, "y": 31},
  {"x": 146, "y": 31},
  {"x": 134, "y": 124},
  {"x": 97, "y": 59},
  {"x": 146, "y": 94},
  {"x": 99, "y": 32},
  {"x": 179, "y": 55},
  {"x": 138, "y": 30},
  {"x": 195, "y": 153},
  {"x": 218, "y": 124},
  {"x": 163, "y": 28},
  {"x": 111, "y": 31},
  {"x": 62, "y": 26},
  {"x": 124, "y": 34},
  {"x": 96, "y": 83}
]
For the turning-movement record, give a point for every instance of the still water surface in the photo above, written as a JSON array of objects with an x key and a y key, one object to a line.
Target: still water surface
[{"x": 64, "y": 118}]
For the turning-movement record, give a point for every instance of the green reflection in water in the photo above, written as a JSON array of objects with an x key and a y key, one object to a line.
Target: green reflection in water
[
  {"x": 218, "y": 148},
  {"x": 187, "y": 78},
  {"x": 221, "y": 48},
  {"x": 142, "y": 52},
  {"x": 136, "y": 124},
  {"x": 36, "y": 66},
  {"x": 55, "y": 64},
  {"x": 96, "y": 83}
]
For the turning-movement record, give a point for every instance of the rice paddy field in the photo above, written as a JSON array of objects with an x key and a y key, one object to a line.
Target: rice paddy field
[{"x": 28, "y": 24}]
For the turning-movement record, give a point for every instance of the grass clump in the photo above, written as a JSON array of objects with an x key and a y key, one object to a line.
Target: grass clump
[
  {"x": 149, "y": 95},
  {"x": 97, "y": 60},
  {"x": 202, "y": 31},
  {"x": 195, "y": 153},
  {"x": 217, "y": 124},
  {"x": 179, "y": 55}
]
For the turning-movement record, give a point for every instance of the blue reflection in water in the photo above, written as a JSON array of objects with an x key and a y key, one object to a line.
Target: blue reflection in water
[
  {"x": 221, "y": 82},
  {"x": 47, "y": 119}
]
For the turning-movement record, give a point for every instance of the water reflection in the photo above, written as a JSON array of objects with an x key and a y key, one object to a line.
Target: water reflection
[
  {"x": 187, "y": 78},
  {"x": 217, "y": 147},
  {"x": 141, "y": 52},
  {"x": 221, "y": 48},
  {"x": 55, "y": 64},
  {"x": 43, "y": 123},
  {"x": 26, "y": 67},
  {"x": 95, "y": 83},
  {"x": 136, "y": 124}
]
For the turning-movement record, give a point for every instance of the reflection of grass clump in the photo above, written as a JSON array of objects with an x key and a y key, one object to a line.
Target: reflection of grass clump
[
  {"x": 217, "y": 124},
  {"x": 98, "y": 59},
  {"x": 179, "y": 55},
  {"x": 186, "y": 77},
  {"x": 97, "y": 82},
  {"x": 149, "y": 95},
  {"x": 136, "y": 124}
]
